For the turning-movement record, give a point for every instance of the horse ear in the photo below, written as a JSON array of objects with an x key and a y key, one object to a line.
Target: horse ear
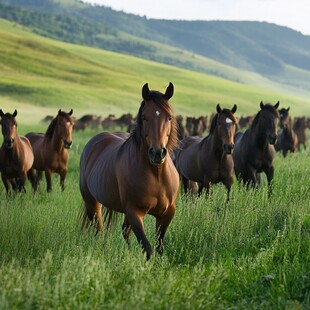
[
  {"x": 277, "y": 105},
  {"x": 71, "y": 111},
  {"x": 59, "y": 111},
  {"x": 234, "y": 109},
  {"x": 218, "y": 108},
  {"x": 15, "y": 113},
  {"x": 169, "y": 91},
  {"x": 1, "y": 113},
  {"x": 262, "y": 105},
  {"x": 145, "y": 91},
  {"x": 288, "y": 109}
]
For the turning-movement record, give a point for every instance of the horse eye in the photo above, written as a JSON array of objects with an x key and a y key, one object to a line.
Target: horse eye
[{"x": 143, "y": 117}]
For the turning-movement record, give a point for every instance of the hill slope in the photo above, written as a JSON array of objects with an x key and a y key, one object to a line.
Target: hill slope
[
  {"x": 278, "y": 53},
  {"x": 40, "y": 75}
]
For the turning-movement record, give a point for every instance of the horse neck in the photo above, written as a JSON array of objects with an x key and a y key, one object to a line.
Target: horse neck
[
  {"x": 216, "y": 144},
  {"x": 56, "y": 142},
  {"x": 258, "y": 136}
]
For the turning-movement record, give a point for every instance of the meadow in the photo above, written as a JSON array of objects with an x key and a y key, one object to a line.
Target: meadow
[{"x": 252, "y": 253}]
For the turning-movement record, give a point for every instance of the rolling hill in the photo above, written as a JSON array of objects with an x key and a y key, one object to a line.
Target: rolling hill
[
  {"x": 41, "y": 75},
  {"x": 279, "y": 55}
]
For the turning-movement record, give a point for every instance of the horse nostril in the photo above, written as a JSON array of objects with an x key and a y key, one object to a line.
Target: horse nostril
[
  {"x": 67, "y": 144},
  {"x": 163, "y": 153}
]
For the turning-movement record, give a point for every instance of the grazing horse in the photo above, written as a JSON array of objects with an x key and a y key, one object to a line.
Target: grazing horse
[
  {"x": 134, "y": 174},
  {"x": 254, "y": 149},
  {"x": 51, "y": 150},
  {"x": 208, "y": 161},
  {"x": 287, "y": 140},
  {"x": 16, "y": 156}
]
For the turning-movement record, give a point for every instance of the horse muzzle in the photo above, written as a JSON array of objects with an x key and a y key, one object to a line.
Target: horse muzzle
[
  {"x": 228, "y": 148},
  {"x": 8, "y": 143},
  {"x": 67, "y": 144},
  {"x": 157, "y": 156},
  {"x": 272, "y": 139}
]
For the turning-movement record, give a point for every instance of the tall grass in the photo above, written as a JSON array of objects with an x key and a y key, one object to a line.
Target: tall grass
[{"x": 252, "y": 253}]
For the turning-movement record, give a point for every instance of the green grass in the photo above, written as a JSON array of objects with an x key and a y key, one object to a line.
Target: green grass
[
  {"x": 45, "y": 75},
  {"x": 251, "y": 254}
]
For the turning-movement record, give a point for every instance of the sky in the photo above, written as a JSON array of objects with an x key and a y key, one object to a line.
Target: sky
[{"x": 291, "y": 13}]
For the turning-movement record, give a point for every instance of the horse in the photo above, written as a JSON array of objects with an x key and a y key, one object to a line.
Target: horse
[
  {"x": 287, "y": 139},
  {"x": 134, "y": 173},
  {"x": 254, "y": 149},
  {"x": 51, "y": 150},
  {"x": 208, "y": 160},
  {"x": 299, "y": 128},
  {"x": 16, "y": 156}
]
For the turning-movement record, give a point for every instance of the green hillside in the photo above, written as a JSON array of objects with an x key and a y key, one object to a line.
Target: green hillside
[
  {"x": 40, "y": 75},
  {"x": 272, "y": 55}
]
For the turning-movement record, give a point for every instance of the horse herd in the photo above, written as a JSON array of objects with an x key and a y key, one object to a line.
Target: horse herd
[{"x": 138, "y": 173}]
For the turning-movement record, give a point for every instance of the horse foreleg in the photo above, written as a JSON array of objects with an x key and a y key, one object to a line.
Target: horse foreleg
[
  {"x": 135, "y": 219},
  {"x": 269, "y": 174},
  {"x": 48, "y": 178},
  {"x": 21, "y": 182},
  {"x": 162, "y": 224},
  {"x": 62, "y": 179},
  {"x": 6, "y": 183},
  {"x": 126, "y": 229},
  {"x": 185, "y": 182},
  {"x": 38, "y": 178},
  {"x": 32, "y": 178}
]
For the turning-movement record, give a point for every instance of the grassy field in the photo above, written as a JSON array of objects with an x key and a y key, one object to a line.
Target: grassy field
[
  {"x": 250, "y": 254},
  {"x": 39, "y": 76},
  {"x": 253, "y": 253}
]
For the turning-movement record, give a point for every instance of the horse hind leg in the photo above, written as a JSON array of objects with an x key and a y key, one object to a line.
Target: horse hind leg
[{"x": 92, "y": 211}]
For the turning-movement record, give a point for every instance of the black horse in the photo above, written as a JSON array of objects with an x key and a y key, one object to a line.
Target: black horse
[
  {"x": 254, "y": 149},
  {"x": 287, "y": 140}
]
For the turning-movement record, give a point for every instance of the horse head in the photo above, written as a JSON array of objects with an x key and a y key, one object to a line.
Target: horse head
[
  {"x": 269, "y": 118},
  {"x": 156, "y": 125},
  {"x": 224, "y": 127},
  {"x": 64, "y": 127},
  {"x": 9, "y": 128},
  {"x": 285, "y": 119}
]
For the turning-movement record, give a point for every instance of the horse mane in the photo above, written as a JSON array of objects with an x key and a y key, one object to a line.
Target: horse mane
[
  {"x": 267, "y": 107},
  {"x": 51, "y": 127},
  {"x": 228, "y": 113},
  {"x": 158, "y": 98}
]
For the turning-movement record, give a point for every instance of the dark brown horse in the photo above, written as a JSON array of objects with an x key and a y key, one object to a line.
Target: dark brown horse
[
  {"x": 16, "y": 156},
  {"x": 51, "y": 150},
  {"x": 134, "y": 174},
  {"x": 254, "y": 149},
  {"x": 208, "y": 161},
  {"x": 299, "y": 127},
  {"x": 287, "y": 140}
]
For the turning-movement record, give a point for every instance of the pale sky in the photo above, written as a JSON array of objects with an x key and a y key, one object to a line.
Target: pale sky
[{"x": 291, "y": 13}]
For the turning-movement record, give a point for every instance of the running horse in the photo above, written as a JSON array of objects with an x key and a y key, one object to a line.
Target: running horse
[
  {"x": 51, "y": 150},
  {"x": 134, "y": 174},
  {"x": 208, "y": 160},
  {"x": 16, "y": 156},
  {"x": 254, "y": 149}
]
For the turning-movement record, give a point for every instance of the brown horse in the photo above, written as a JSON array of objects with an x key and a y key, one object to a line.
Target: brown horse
[
  {"x": 254, "y": 149},
  {"x": 287, "y": 140},
  {"x": 51, "y": 150},
  {"x": 208, "y": 161},
  {"x": 134, "y": 174},
  {"x": 299, "y": 128},
  {"x": 16, "y": 156}
]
